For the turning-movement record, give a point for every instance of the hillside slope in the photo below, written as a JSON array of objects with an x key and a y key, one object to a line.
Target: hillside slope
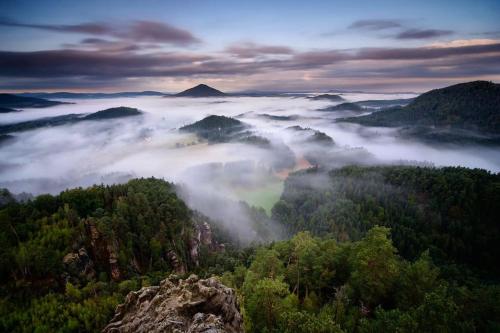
[
  {"x": 451, "y": 211},
  {"x": 201, "y": 90},
  {"x": 469, "y": 106},
  {"x": 216, "y": 128},
  {"x": 10, "y": 101},
  {"x": 112, "y": 113},
  {"x": 75, "y": 255}
]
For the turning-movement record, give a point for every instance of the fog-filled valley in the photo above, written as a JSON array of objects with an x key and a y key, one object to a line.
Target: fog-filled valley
[
  {"x": 318, "y": 212},
  {"x": 49, "y": 159},
  {"x": 249, "y": 167}
]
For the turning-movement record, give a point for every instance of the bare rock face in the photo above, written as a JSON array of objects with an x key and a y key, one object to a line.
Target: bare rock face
[
  {"x": 202, "y": 236},
  {"x": 179, "y": 267},
  {"x": 79, "y": 264},
  {"x": 205, "y": 234},
  {"x": 177, "y": 305},
  {"x": 103, "y": 249}
]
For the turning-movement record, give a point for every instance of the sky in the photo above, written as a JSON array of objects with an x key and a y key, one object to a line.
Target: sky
[{"x": 168, "y": 46}]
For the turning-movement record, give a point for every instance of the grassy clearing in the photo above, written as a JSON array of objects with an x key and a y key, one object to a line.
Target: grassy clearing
[{"x": 264, "y": 196}]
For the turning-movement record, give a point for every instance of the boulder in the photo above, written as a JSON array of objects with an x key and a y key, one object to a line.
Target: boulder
[{"x": 192, "y": 305}]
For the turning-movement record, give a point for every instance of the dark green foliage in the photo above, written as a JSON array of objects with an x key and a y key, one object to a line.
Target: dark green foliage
[
  {"x": 118, "y": 112},
  {"x": 309, "y": 284},
  {"x": 256, "y": 140},
  {"x": 6, "y": 197},
  {"x": 138, "y": 222},
  {"x": 327, "y": 97},
  {"x": 38, "y": 123},
  {"x": 281, "y": 118},
  {"x": 211, "y": 123},
  {"x": 216, "y": 128},
  {"x": 367, "y": 105},
  {"x": 112, "y": 113},
  {"x": 384, "y": 103},
  {"x": 344, "y": 107},
  {"x": 433, "y": 271},
  {"x": 472, "y": 106},
  {"x": 13, "y": 101},
  {"x": 320, "y": 137},
  {"x": 315, "y": 137},
  {"x": 129, "y": 215},
  {"x": 451, "y": 211}
]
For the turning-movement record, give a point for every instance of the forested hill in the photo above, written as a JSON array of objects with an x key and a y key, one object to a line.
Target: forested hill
[
  {"x": 216, "y": 128},
  {"x": 66, "y": 261},
  {"x": 201, "y": 90},
  {"x": 10, "y": 101},
  {"x": 66, "y": 119},
  {"x": 451, "y": 211},
  {"x": 473, "y": 105}
]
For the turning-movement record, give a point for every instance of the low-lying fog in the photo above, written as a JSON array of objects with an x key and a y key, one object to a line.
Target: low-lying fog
[{"x": 51, "y": 159}]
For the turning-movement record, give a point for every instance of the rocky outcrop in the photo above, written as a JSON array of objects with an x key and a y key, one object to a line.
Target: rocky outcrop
[
  {"x": 179, "y": 267},
  {"x": 192, "y": 305},
  {"x": 103, "y": 249},
  {"x": 79, "y": 264},
  {"x": 203, "y": 236}
]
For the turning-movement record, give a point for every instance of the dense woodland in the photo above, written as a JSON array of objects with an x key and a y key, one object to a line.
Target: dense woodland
[
  {"x": 68, "y": 260},
  {"x": 112, "y": 113},
  {"x": 312, "y": 284},
  {"x": 9, "y": 101},
  {"x": 371, "y": 249},
  {"x": 216, "y": 128},
  {"x": 453, "y": 212},
  {"x": 473, "y": 106}
]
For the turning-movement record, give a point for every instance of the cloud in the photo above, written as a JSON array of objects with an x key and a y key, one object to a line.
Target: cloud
[
  {"x": 405, "y": 32},
  {"x": 105, "y": 64},
  {"x": 93, "y": 28},
  {"x": 488, "y": 34},
  {"x": 422, "y": 33},
  {"x": 327, "y": 57},
  {"x": 138, "y": 31},
  {"x": 420, "y": 53},
  {"x": 465, "y": 42},
  {"x": 252, "y": 50},
  {"x": 150, "y": 31},
  {"x": 375, "y": 24},
  {"x": 94, "y": 41},
  {"x": 61, "y": 63},
  {"x": 104, "y": 45},
  {"x": 460, "y": 67}
]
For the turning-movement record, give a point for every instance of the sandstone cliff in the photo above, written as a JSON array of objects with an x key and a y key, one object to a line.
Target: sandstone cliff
[
  {"x": 95, "y": 251},
  {"x": 192, "y": 305}
]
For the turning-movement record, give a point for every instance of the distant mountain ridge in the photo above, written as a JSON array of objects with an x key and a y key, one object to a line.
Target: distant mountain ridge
[
  {"x": 368, "y": 104},
  {"x": 64, "y": 95},
  {"x": 7, "y": 110},
  {"x": 8, "y": 102},
  {"x": 469, "y": 106},
  {"x": 201, "y": 90},
  {"x": 118, "y": 112},
  {"x": 327, "y": 97}
]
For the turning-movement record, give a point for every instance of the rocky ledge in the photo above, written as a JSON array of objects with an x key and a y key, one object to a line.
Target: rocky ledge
[{"x": 192, "y": 305}]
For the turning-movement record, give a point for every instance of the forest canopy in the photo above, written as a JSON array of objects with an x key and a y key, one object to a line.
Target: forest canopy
[{"x": 394, "y": 249}]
